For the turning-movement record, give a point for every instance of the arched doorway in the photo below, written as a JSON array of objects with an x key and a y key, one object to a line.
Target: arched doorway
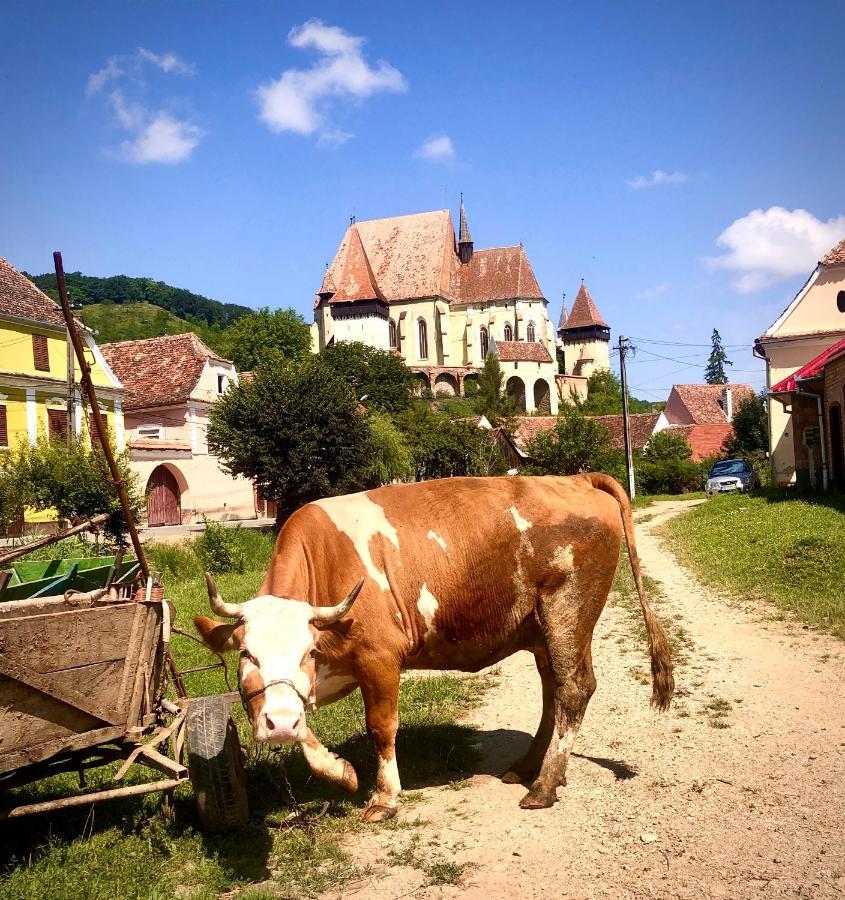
[
  {"x": 446, "y": 384},
  {"x": 836, "y": 461},
  {"x": 516, "y": 391},
  {"x": 542, "y": 397},
  {"x": 421, "y": 384},
  {"x": 164, "y": 499},
  {"x": 470, "y": 385}
]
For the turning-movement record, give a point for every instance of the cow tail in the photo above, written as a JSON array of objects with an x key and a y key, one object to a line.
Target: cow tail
[{"x": 663, "y": 683}]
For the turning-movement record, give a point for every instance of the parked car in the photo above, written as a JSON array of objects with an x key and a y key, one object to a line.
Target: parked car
[{"x": 731, "y": 475}]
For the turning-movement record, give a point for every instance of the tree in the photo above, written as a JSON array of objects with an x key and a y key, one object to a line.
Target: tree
[
  {"x": 665, "y": 466},
  {"x": 259, "y": 335},
  {"x": 751, "y": 428},
  {"x": 382, "y": 378},
  {"x": 391, "y": 458},
  {"x": 296, "y": 431},
  {"x": 604, "y": 397},
  {"x": 715, "y": 371},
  {"x": 490, "y": 399},
  {"x": 575, "y": 444}
]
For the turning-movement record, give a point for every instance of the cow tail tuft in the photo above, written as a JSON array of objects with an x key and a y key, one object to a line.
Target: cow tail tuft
[{"x": 662, "y": 680}]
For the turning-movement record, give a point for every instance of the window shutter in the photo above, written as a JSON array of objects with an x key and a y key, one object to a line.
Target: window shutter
[
  {"x": 40, "y": 353},
  {"x": 57, "y": 424},
  {"x": 92, "y": 430},
  {"x": 4, "y": 430}
]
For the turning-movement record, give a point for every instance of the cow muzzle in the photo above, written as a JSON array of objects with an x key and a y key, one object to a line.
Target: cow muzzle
[{"x": 280, "y": 726}]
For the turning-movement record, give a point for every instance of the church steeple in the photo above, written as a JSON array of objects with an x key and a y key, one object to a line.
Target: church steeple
[{"x": 465, "y": 245}]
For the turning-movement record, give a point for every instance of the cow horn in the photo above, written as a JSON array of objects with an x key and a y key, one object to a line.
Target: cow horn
[
  {"x": 325, "y": 615},
  {"x": 218, "y": 605}
]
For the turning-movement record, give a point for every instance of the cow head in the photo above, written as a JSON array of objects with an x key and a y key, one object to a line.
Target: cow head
[{"x": 277, "y": 667}]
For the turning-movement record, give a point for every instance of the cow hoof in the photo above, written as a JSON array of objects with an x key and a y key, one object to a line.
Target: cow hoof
[
  {"x": 378, "y": 813},
  {"x": 537, "y": 800}
]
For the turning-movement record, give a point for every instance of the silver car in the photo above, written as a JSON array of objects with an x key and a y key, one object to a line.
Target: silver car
[{"x": 730, "y": 475}]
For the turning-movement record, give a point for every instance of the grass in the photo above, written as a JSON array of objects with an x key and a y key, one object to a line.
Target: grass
[
  {"x": 645, "y": 500},
  {"x": 134, "y": 321},
  {"x": 774, "y": 546},
  {"x": 134, "y": 849}
]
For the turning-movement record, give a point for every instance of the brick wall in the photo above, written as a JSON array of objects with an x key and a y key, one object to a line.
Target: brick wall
[{"x": 834, "y": 392}]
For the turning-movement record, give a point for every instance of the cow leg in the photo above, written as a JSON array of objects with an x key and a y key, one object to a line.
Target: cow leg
[
  {"x": 527, "y": 767},
  {"x": 381, "y": 707},
  {"x": 574, "y": 687},
  {"x": 327, "y": 765}
]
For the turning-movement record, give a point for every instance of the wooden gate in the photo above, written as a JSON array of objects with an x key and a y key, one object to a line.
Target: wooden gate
[{"x": 163, "y": 498}]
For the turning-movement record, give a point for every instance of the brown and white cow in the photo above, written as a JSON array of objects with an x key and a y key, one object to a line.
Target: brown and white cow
[{"x": 452, "y": 574}]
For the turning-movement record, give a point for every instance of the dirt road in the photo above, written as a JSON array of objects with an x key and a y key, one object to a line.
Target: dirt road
[{"x": 738, "y": 791}]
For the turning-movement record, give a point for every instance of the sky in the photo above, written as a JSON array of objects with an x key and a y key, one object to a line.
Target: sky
[{"x": 685, "y": 160}]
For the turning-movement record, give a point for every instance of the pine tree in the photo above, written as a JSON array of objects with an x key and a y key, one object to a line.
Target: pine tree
[{"x": 715, "y": 371}]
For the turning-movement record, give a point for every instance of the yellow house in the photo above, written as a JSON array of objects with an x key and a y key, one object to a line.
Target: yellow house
[
  {"x": 33, "y": 371},
  {"x": 813, "y": 321}
]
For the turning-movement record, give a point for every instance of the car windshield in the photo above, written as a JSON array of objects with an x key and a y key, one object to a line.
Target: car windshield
[{"x": 729, "y": 467}]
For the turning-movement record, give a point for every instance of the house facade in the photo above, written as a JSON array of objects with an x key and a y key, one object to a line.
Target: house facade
[
  {"x": 812, "y": 323},
  {"x": 173, "y": 382},
  {"x": 34, "y": 369},
  {"x": 407, "y": 284}
]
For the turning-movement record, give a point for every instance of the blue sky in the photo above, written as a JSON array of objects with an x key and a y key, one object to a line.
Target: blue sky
[{"x": 222, "y": 147}]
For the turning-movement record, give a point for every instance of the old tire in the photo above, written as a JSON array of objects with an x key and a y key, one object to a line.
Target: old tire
[{"x": 216, "y": 764}]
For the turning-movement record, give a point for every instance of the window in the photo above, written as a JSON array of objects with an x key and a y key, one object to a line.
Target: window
[
  {"x": 531, "y": 333},
  {"x": 40, "y": 353},
  {"x": 151, "y": 432},
  {"x": 393, "y": 337},
  {"x": 57, "y": 424},
  {"x": 221, "y": 384},
  {"x": 840, "y": 301},
  {"x": 4, "y": 430},
  {"x": 484, "y": 343},
  {"x": 422, "y": 330},
  {"x": 92, "y": 429},
  {"x": 508, "y": 331}
]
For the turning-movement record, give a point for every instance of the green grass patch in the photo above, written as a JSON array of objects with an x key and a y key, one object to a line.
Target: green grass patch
[
  {"x": 773, "y": 546},
  {"x": 643, "y": 501},
  {"x": 136, "y": 849}
]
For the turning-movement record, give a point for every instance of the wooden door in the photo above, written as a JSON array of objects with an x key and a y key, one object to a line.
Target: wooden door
[{"x": 163, "y": 498}]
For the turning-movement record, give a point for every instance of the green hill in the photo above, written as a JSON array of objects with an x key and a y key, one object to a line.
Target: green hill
[{"x": 134, "y": 321}]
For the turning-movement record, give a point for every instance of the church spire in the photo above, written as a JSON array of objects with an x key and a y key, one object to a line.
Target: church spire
[{"x": 465, "y": 244}]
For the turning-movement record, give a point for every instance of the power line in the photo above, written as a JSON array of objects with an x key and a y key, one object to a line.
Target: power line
[{"x": 681, "y": 344}]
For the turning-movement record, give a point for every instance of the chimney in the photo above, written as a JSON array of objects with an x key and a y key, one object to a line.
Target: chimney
[{"x": 729, "y": 406}]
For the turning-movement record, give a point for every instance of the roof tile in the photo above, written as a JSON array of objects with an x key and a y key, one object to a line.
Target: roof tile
[
  {"x": 19, "y": 297},
  {"x": 501, "y": 273},
  {"x": 584, "y": 313},
  {"x": 835, "y": 256},
  {"x": 522, "y": 351},
  {"x": 703, "y": 401},
  {"x": 357, "y": 281}
]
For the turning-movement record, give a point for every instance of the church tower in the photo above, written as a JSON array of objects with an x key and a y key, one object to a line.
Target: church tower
[
  {"x": 465, "y": 245},
  {"x": 584, "y": 337}
]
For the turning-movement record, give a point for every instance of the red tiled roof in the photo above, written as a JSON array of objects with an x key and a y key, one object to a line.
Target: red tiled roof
[
  {"x": 158, "y": 371},
  {"x": 835, "y": 256},
  {"x": 702, "y": 401},
  {"x": 642, "y": 428},
  {"x": 357, "y": 281},
  {"x": 809, "y": 370},
  {"x": 502, "y": 273},
  {"x": 19, "y": 297},
  {"x": 584, "y": 313},
  {"x": 247, "y": 377},
  {"x": 522, "y": 351},
  {"x": 704, "y": 440}
]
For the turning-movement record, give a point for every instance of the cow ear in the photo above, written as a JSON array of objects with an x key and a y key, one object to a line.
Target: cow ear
[
  {"x": 340, "y": 628},
  {"x": 219, "y": 636}
]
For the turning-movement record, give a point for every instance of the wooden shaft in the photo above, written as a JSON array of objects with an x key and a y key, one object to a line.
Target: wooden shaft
[
  {"x": 98, "y": 418},
  {"x": 52, "y": 538}
]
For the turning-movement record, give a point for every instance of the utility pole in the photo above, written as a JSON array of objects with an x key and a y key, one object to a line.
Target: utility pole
[
  {"x": 624, "y": 346},
  {"x": 71, "y": 412}
]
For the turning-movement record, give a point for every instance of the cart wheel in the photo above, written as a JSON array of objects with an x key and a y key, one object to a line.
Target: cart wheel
[{"x": 215, "y": 764}]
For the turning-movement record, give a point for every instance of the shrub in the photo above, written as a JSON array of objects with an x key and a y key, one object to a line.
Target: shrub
[
  {"x": 575, "y": 444},
  {"x": 665, "y": 466},
  {"x": 219, "y": 548}
]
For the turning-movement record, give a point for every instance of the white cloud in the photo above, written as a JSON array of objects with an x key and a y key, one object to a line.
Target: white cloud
[
  {"x": 156, "y": 136},
  {"x": 657, "y": 177},
  {"x": 300, "y": 99},
  {"x": 767, "y": 246},
  {"x": 436, "y": 149}
]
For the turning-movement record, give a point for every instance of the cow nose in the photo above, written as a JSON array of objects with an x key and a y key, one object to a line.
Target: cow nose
[{"x": 280, "y": 728}]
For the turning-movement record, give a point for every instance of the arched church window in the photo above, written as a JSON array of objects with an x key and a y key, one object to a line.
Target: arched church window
[
  {"x": 394, "y": 338},
  {"x": 531, "y": 333},
  {"x": 484, "y": 343},
  {"x": 508, "y": 331},
  {"x": 422, "y": 332}
]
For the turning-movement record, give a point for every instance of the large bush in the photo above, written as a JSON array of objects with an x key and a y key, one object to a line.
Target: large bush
[
  {"x": 380, "y": 380},
  {"x": 262, "y": 335},
  {"x": 575, "y": 444},
  {"x": 665, "y": 466}
]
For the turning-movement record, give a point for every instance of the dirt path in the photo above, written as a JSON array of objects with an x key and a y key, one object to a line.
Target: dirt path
[{"x": 738, "y": 791}]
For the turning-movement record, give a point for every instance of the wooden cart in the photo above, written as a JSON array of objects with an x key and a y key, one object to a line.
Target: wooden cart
[{"x": 82, "y": 684}]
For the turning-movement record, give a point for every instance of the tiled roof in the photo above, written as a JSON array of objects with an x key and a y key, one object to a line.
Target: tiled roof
[
  {"x": 522, "y": 351},
  {"x": 158, "y": 371},
  {"x": 357, "y": 281},
  {"x": 464, "y": 236},
  {"x": 564, "y": 315},
  {"x": 642, "y": 428},
  {"x": 704, "y": 440},
  {"x": 247, "y": 377},
  {"x": 501, "y": 273},
  {"x": 584, "y": 313},
  {"x": 19, "y": 297},
  {"x": 702, "y": 401},
  {"x": 834, "y": 257},
  {"x": 811, "y": 369}
]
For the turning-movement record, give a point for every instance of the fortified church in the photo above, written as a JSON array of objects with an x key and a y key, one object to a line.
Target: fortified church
[{"x": 407, "y": 284}]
